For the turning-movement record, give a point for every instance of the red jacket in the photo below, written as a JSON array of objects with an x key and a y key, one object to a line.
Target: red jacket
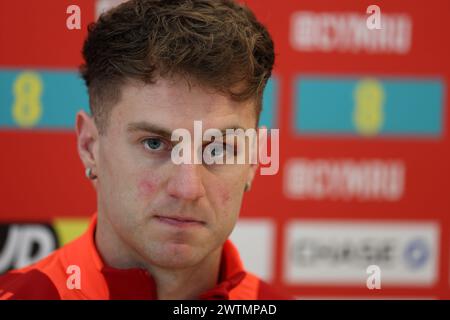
[{"x": 49, "y": 278}]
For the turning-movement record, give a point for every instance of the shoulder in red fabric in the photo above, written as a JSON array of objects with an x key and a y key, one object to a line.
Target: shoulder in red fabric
[{"x": 29, "y": 285}]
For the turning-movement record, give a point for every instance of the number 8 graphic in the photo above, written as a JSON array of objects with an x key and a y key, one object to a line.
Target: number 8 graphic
[
  {"x": 27, "y": 109},
  {"x": 368, "y": 115}
]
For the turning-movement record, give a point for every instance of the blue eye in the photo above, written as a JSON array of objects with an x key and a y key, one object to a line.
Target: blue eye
[
  {"x": 217, "y": 152},
  {"x": 153, "y": 144},
  {"x": 220, "y": 149}
]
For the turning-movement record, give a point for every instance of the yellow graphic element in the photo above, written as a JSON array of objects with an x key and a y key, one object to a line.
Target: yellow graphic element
[
  {"x": 27, "y": 90},
  {"x": 368, "y": 114},
  {"x": 68, "y": 229}
]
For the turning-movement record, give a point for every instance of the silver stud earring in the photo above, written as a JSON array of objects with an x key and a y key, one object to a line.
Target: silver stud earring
[{"x": 89, "y": 174}]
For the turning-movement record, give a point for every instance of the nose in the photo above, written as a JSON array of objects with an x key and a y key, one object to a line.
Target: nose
[{"x": 186, "y": 182}]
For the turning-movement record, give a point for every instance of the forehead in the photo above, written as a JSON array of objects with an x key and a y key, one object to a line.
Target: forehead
[{"x": 175, "y": 103}]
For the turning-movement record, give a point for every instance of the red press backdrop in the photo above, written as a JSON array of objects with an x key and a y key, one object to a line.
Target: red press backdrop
[{"x": 364, "y": 170}]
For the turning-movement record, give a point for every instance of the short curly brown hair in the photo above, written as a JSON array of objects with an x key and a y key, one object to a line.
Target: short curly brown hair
[{"x": 216, "y": 43}]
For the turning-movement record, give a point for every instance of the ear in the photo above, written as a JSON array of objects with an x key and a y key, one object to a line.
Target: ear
[{"x": 87, "y": 140}]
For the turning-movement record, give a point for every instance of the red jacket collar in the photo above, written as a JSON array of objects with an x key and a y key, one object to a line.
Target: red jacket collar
[{"x": 101, "y": 281}]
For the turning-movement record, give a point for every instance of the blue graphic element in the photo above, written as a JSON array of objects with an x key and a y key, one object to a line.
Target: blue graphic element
[
  {"x": 416, "y": 254},
  {"x": 63, "y": 95},
  {"x": 411, "y": 106},
  {"x": 270, "y": 99}
]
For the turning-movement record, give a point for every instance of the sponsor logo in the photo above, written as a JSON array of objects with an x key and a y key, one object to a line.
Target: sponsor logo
[
  {"x": 347, "y": 32},
  {"x": 369, "y": 106},
  {"x": 416, "y": 253},
  {"x": 340, "y": 252},
  {"x": 25, "y": 243},
  {"x": 41, "y": 99},
  {"x": 345, "y": 179},
  {"x": 32, "y": 99}
]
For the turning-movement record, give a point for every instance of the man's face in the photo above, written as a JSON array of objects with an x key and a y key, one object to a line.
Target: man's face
[{"x": 171, "y": 215}]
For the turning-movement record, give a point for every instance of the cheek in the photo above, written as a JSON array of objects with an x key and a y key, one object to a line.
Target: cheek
[
  {"x": 223, "y": 194},
  {"x": 147, "y": 187}
]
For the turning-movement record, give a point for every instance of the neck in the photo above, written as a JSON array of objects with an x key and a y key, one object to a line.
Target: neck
[
  {"x": 171, "y": 284},
  {"x": 188, "y": 283}
]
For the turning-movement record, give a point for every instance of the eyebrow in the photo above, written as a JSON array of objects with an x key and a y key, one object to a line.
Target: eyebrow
[
  {"x": 149, "y": 127},
  {"x": 164, "y": 132}
]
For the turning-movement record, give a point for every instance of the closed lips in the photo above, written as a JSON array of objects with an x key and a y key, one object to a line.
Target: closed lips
[{"x": 179, "y": 219}]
